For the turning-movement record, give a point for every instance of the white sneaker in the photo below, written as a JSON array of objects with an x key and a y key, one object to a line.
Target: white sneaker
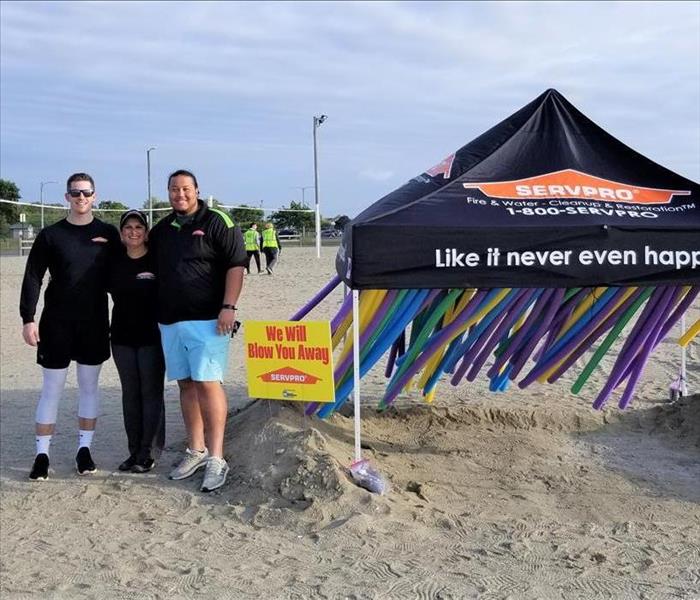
[
  {"x": 190, "y": 464},
  {"x": 215, "y": 475}
]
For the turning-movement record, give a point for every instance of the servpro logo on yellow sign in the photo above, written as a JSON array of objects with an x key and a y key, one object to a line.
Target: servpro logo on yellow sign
[{"x": 289, "y": 360}]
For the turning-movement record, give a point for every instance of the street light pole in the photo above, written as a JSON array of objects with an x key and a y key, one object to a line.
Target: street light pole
[
  {"x": 317, "y": 123},
  {"x": 303, "y": 189},
  {"x": 150, "y": 201},
  {"x": 41, "y": 199}
]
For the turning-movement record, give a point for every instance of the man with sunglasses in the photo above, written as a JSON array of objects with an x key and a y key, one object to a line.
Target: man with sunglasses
[{"x": 74, "y": 322}]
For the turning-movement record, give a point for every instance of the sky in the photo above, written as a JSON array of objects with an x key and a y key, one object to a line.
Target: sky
[{"x": 229, "y": 90}]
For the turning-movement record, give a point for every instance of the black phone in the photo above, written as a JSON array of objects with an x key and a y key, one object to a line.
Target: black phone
[{"x": 236, "y": 327}]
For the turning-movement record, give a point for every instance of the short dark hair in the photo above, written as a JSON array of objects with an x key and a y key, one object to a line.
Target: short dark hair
[
  {"x": 252, "y": 224},
  {"x": 184, "y": 173},
  {"x": 79, "y": 177}
]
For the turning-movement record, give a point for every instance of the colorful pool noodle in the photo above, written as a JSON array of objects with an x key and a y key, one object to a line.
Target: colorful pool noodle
[
  {"x": 345, "y": 388},
  {"x": 436, "y": 342},
  {"x": 311, "y": 304},
  {"x": 693, "y": 330},
  {"x": 508, "y": 325},
  {"x": 655, "y": 307},
  {"x": 596, "y": 330}
]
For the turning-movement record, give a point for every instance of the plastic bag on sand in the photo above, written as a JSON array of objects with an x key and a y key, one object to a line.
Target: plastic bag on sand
[{"x": 366, "y": 476}]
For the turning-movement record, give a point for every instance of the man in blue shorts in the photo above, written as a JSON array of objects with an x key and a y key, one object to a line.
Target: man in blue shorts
[{"x": 200, "y": 258}]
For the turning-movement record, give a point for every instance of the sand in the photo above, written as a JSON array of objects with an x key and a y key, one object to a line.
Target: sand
[{"x": 524, "y": 495}]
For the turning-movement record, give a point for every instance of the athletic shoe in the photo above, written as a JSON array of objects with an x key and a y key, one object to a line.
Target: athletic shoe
[
  {"x": 190, "y": 464},
  {"x": 127, "y": 464},
  {"x": 84, "y": 461},
  {"x": 40, "y": 468},
  {"x": 215, "y": 475},
  {"x": 143, "y": 466},
  {"x": 269, "y": 271}
]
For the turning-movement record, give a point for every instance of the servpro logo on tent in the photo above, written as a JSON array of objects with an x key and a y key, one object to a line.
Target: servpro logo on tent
[{"x": 570, "y": 183}]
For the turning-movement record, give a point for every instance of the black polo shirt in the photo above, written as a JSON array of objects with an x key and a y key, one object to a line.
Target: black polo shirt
[{"x": 192, "y": 261}]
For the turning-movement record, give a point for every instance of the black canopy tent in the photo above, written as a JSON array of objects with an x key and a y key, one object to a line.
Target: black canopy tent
[{"x": 546, "y": 198}]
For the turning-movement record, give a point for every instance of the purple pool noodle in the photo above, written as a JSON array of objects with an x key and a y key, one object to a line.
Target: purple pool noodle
[
  {"x": 431, "y": 347},
  {"x": 548, "y": 362},
  {"x": 624, "y": 357},
  {"x": 437, "y": 340},
  {"x": 646, "y": 326},
  {"x": 468, "y": 356},
  {"x": 329, "y": 287},
  {"x": 644, "y": 353},
  {"x": 345, "y": 308},
  {"x": 607, "y": 324},
  {"x": 485, "y": 336},
  {"x": 496, "y": 337},
  {"x": 678, "y": 313},
  {"x": 391, "y": 359},
  {"x": 560, "y": 320},
  {"x": 544, "y": 325},
  {"x": 641, "y": 328},
  {"x": 660, "y": 334},
  {"x": 522, "y": 333}
]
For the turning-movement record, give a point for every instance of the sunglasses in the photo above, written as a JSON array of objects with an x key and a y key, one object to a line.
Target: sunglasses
[{"x": 78, "y": 193}]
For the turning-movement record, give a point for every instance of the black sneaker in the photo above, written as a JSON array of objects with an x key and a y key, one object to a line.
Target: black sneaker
[
  {"x": 127, "y": 464},
  {"x": 143, "y": 466},
  {"x": 84, "y": 461},
  {"x": 40, "y": 469}
]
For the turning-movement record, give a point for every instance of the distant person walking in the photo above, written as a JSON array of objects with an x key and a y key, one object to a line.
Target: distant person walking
[
  {"x": 271, "y": 247},
  {"x": 136, "y": 344},
  {"x": 200, "y": 259},
  {"x": 252, "y": 246},
  {"x": 74, "y": 324}
]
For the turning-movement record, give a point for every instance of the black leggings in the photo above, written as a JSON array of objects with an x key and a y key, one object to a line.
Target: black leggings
[
  {"x": 256, "y": 255},
  {"x": 141, "y": 372},
  {"x": 271, "y": 257}
]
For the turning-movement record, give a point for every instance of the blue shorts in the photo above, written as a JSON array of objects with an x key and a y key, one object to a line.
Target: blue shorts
[{"x": 194, "y": 350}]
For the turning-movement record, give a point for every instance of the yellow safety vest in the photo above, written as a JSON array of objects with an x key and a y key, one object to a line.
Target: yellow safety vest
[
  {"x": 251, "y": 240},
  {"x": 269, "y": 238}
]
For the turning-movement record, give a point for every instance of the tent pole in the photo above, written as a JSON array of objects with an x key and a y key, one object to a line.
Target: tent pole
[
  {"x": 356, "y": 368},
  {"x": 684, "y": 381}
]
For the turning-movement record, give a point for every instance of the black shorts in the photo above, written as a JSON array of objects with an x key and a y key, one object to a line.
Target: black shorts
[{"x": 62, "y": 341}]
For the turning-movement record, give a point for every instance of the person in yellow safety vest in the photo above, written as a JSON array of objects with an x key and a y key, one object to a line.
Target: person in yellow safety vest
[
  {"x": 271, "y": 246},
  {"x": 252, "y": 246}
]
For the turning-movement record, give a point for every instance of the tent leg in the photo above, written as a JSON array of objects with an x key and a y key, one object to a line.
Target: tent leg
[
  {"x": 683, "y": 389},
  {"x": 356, "y": 368}
]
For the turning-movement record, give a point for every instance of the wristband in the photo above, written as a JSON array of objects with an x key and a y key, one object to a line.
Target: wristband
[{"x": 229, "y": 306}]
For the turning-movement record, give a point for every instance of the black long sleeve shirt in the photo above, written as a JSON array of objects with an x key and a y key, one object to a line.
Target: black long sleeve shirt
[{"x": 76, "y": 257}]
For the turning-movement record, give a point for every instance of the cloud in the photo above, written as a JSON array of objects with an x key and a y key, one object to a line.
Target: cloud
[
  {"x": 404, "y": 83},
  {"x": 376, "y": 174}
]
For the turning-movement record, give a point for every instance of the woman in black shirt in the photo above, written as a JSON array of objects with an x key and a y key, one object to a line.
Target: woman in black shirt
[{"x": 136, "y": 345}]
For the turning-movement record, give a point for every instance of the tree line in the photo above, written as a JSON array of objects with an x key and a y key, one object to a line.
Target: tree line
[{"x": 294, "y": 217}]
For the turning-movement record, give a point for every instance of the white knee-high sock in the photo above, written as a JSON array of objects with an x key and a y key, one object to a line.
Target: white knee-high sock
[
  {"x": 42, "y": 444},
  {"x": 85, "y": 438}
]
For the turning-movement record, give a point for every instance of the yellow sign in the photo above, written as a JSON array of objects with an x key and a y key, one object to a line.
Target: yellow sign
[{"x": 289, "y": 360}]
